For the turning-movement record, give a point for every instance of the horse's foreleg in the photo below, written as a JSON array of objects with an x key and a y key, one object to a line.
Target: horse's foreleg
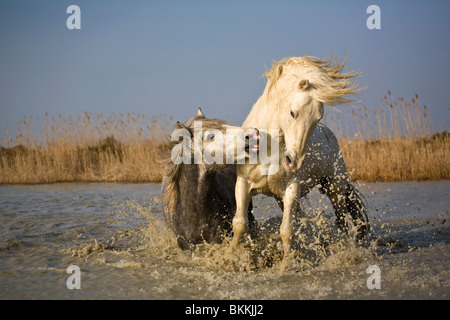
[
  {"x": 290, "y": 201},
  {"x": 240, "y": 220}
]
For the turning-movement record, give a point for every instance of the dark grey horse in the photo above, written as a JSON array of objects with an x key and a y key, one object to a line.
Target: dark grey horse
[{"x": 199, "y": 199}]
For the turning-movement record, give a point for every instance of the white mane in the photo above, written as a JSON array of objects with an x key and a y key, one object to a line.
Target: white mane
[{"x": 327, "y": 82}]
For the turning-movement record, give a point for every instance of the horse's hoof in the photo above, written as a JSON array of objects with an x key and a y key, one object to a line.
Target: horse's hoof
[
  {"x": 288, "y": 262},
  {"x": 234, "y": 243}
]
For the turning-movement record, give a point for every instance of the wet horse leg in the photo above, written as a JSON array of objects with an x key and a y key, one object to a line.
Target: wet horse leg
[
  {"x": 345, "y": 200},
  {"x": 357, "y": 209},
  {"x": 240, "y": 220},
  {"x": 290, "y": 202},
  {"x": 336, "y": 194}
]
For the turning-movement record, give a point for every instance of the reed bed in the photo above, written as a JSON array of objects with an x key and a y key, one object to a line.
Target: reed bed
[
  {"x": 395, "y": 142},
  {"x": 89, "y": 148},
  {"x": 398, "y": 159}
]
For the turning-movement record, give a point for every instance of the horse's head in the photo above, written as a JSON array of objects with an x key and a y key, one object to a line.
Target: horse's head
[
  {"x": 297, "y": 89},
  {"x": 212, "y": 142},
  {"x": 299, "y": 115}
]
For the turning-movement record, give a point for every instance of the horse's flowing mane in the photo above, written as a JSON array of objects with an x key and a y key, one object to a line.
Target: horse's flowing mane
[
  {"x": 327, "y": 82},
  {"x": 170, "y": 188}
]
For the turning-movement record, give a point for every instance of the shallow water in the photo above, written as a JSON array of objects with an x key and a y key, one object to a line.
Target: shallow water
[{"x": 116, "y": 234}]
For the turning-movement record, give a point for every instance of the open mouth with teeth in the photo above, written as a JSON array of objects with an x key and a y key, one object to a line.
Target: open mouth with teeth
[{"x": 252, "y": 138}]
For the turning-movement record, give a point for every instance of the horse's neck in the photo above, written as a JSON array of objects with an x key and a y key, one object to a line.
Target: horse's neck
[
  {"x": 201, "y": 184},
  {"x": 263, "y": 115}
]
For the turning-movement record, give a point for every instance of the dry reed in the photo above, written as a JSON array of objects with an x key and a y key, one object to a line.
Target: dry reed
[
  {"x": 90, "y": 148},
  {"x": 393, "y": 143}
]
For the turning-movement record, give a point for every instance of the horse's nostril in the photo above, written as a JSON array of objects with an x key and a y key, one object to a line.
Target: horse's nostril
[
  {"x": 288, "y": 160},
  {"x": 252, "y": 133}
]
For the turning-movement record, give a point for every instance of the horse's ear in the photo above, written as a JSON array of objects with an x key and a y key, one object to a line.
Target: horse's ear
[
  {"x": 181, "y": 126},
  {"x": 304, "y": 84},
  {"x": 200, "y": 113},
  {"x": 279, "y": 71}
]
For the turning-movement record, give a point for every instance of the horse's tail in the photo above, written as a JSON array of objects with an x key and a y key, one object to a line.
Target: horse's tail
[{"x": 357, "y": 207}]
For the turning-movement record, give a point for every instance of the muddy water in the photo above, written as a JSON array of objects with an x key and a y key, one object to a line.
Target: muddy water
[{"x": 116, "y": 234}]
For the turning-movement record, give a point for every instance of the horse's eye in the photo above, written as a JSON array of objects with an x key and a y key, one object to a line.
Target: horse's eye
[{"x": 292, "y": 114}]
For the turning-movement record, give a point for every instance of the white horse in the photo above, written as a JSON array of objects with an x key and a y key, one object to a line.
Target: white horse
[{"x": 293, "y": 103}]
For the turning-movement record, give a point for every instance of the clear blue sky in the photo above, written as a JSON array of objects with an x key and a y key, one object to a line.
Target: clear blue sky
[{"x": 170, "y": 57}]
